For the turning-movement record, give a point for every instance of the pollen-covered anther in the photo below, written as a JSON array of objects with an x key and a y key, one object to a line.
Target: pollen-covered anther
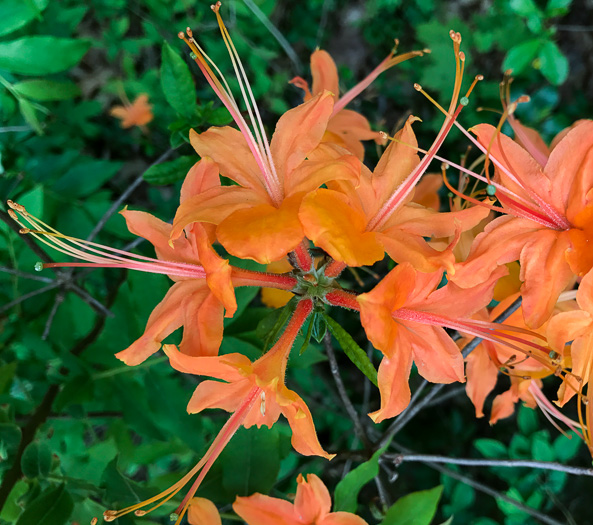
[
  {"x": 13, "y": 215},
  {"x": 139, "y": 512},
  {"x": 181, "y": 35},
  {"x": 479, "y": 78},
  {"x": 427, "y": 50},
  {"x": 417, "y": 87},
  {"x": 94, "y": 521},
  {"x": 16, "y": 206},
  {"x": 24, "y": 231},
  {"x": 455, "y": 36},
  {"x": 215, "y": 7},
  {"x": 462, "y": 56}
]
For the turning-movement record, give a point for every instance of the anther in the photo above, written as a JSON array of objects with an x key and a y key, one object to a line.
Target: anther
[
  {"x": 16, "y": 206},
  {"x": 189, "y": 32},
  {"x": 24, "y": 231},
  {"x": 13, "y": 215},
  {"x": 462, "y": 56},
  {"x": 479, "y": 77},
  {"x": 427, "y": 50},
  {"x": 216, "y": 7},
  {"x": 139, "y": 512},
  {"x": 94, "y": 521},
  {"x": 417, "y": 87},
  {"x": 523, "y": 99}
]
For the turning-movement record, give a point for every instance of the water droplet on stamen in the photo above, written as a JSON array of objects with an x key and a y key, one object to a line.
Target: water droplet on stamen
[
  {"x": 553, "y": 355},
  {"x": 491, "y": 190},
  {"x": 38, "y": 266},
  {"x": 464, "y": 101},
  {"x": 173, "y": 516},
  {"x": 193, "y": 56}
]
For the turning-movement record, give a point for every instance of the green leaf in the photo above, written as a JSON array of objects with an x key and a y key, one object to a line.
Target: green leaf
[
  {"x": 527, "y": 420},
  {"x": 524, "y": 7},
  {"x": 319, "y": 326},
  {"x": 417, "y": 508},
  {"x": 177, "y": 82},
  {"x": 29, "y": 114},
  {"x": 541, "y": 448},
  {"x": 36, "y": 460},
  {"x": 46, "y": 90},
  {"x": 52, "y": 507},
  {"x": 120, "y": 489},
  {"x": 521, "y": 55},
  {"x": 566, "y": 448},
  {"x": 553, "y": 64},
  {"x": 346, "y": 494},
  {"x": 356, "y": 354},
  {"x": 557, "y": 7},
  {"x": 251, "y": 461},
  {"x": 11, "y": 510},
  {"x": 41, "y": 55},
  {"x": 6, "y": 376},
  {"x": 269, "y": 328},
  {"x": 86, "y": 177},
  {"x": 18, "y": 13},
  {"x": 169, "y": 172},
  {"x": 10, "y": 437},
  {"x": 490, "y": 448}
]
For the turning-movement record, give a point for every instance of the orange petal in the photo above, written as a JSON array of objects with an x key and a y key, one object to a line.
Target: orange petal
[
  {"x": 324, "y": 73},
  {"x": 567, "y": 326},
  {"x": 585, "y": 293},
  {"x": 342, "y": 518},
  {"x": 263, "y": 233},
  {"x": 426, "y": 192},
  {"x": 271, "y": 296},
  {"x": 264, "y": 510},
  {"x": 332, "y": 224},
  {"x": 580, "y": 257},
  {"x": 482, "y": 375},
  {"x": 214, "y": 394},
  {"x": 312, "y": 498},
  {"x": 202, "y": 176},
  {"x": 164, "y": 320},
  {"x": 202, "y": 512},
  {"x": 225, "y": 367},
  {"x": 299, "y": 131},
  {"x": 348, "y": 128},
  {"x": 228, "y": 148},
  {"x": 204, "y": 326},
  {"x": 503, "y": 406}
]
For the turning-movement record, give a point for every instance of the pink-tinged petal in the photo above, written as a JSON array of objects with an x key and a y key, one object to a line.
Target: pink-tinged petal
[
  {"x": 157, "y": 233},
  {"x": 348, "y": 128},
  {"x": 202, "y": 512},
  {"x": 342, "y": 518},
  {"x": 228, "y": 148},
  {"x": 202, "y": 176},
  {"x": 397, "y": 162},
  {"x": 264, "y": 510},
  {"x": 227, "y": 367},
  {"x": 482, "y": 375},
  {"x": 304, "y": 437},
  {"x": 403, "y": 247},
  {"x": 167, "y": 317},
  {"x": 310, "y": 175},
  {"x": 530, "y": 140},
  {"x": 213, "y": 206},
  {"x": 501, "y": 242},
  {"x": 331, "y": 222},
  {"x": 567, "y": 326},
  {"x": 503, "y": 406},
  {"x": 214, "y": 394},
  {"x": 570, "y": 168},
  {"x": 517, "y": 161},
  {"x": 545, "y": 273},
  {"x": 263, "y": 233},
  {"x": 456, "y": 302},
  {"x": 392, "y": 378},
  {"x": 312, "y": 499},
  {"x": 218, "y": 271},
  {"x": 435, "y": 354},
  {"x": 324, "y": 73},
  {"x": 203, "y": 326},
  {"x": 298, "y": 132}
]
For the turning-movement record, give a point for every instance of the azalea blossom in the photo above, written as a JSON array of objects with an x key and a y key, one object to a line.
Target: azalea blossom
[
  {"x": 137, "y": 113},
  {"x": 312, "y": 506}
]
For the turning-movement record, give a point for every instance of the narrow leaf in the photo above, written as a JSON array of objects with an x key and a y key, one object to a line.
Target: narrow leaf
[
  {"x": 177, "y": 82},
  {"x": 45, "y": 90},
  {"x": 356, "y": 354}
]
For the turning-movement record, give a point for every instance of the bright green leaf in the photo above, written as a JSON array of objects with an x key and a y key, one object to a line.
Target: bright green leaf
[
  {"x": 347, "y": 490},
  {"x": 524, "y": 7},
  {"x": 86, "y": 177},
  {"x": 41, "y": 55},
  {"x": 527, "y": 420},
  {"x": 53, "y": 507},
  {"x": 553, "y": 65},
  {"x": 541, "y": 448},
  {"x": 177, "y": 82},
  {"x": 490, "y": 448},
  {"x": 169, "y": 172},
  {"x": 12, "y": 509},
  {"x": 417, "y": 508},
  {"x": 556, "y": 7},
  {"x": 18, "y": 13},
  {"x": 36, "y": 460},
  {"x": 46, "y": 90},
  {"x": 356, "y": 354},
  {"x": 566, "y": 448},
  {"x": 521, "y": 55},
  {"x": 29, "y": 114}
]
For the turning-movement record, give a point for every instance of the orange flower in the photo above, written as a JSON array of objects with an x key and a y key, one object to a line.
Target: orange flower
[
  {"x": 138, "y": 113},
  {"x": 356, "y": 224},
  {"x": 312, "y": 506},
  {"x": 203, "y": 512},
  {"x": 549, "y": 226},
  {"x": 257, "y": 219},
  {"x": 346, "y": 128}
]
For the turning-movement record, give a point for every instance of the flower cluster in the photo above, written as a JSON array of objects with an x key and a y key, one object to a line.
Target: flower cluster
[{"x": 307, "y": 187}]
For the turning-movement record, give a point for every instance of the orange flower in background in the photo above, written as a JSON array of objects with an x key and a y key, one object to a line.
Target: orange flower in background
[
  {"x": 346, "y": 128},
  {"x": 258, "y": 218},
  {"x": 137, "y": 113},
  {"x": 549, "y": 226},
  {"x": 311, "y": 506}
]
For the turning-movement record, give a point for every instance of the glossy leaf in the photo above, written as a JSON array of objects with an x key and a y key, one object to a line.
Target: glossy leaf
[
  {"x": 36, "y": 460},
  {"x": 177, "y": 82},
  {"x": 52, "y": 507},
  {"x": 521, "y": 55},
  {"x": 417, "y": 508},
  {"x": 554, "y": 65},
  {"x": 46, "y": 90},
  {"x": 170, "y": 171}
]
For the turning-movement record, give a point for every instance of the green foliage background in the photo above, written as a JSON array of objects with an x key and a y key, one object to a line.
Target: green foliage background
[{"x": 100, "y": 434}]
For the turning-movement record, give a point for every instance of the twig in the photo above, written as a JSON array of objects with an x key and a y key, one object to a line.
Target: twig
[
  {"x": 333, "y": 365},
  {"x": 510, "y": 463},
  {"x": 25, "y": 275},
  {"x": 26, "y": 296},
  {"x": 298, "y": 66},
  {"x": 50, "y": 319}
]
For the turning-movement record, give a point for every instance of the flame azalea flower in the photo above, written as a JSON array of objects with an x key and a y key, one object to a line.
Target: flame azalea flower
[
  {"x": 204, "y": 282},
  {"x": 489, "y": 358},
  {"x": 138, "y": 113},
  {"x": 203, "y": 512},
  {"x": 257, "y": 219},
  {"x": 256, "y": 395},
  {"x": 311, "y": 506},
  {"x": 357, "y": 224},
  {"x": 549, "y": 226},
  {"x": 577, "y": 326},
  {"x": 346, "y": 128}
]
